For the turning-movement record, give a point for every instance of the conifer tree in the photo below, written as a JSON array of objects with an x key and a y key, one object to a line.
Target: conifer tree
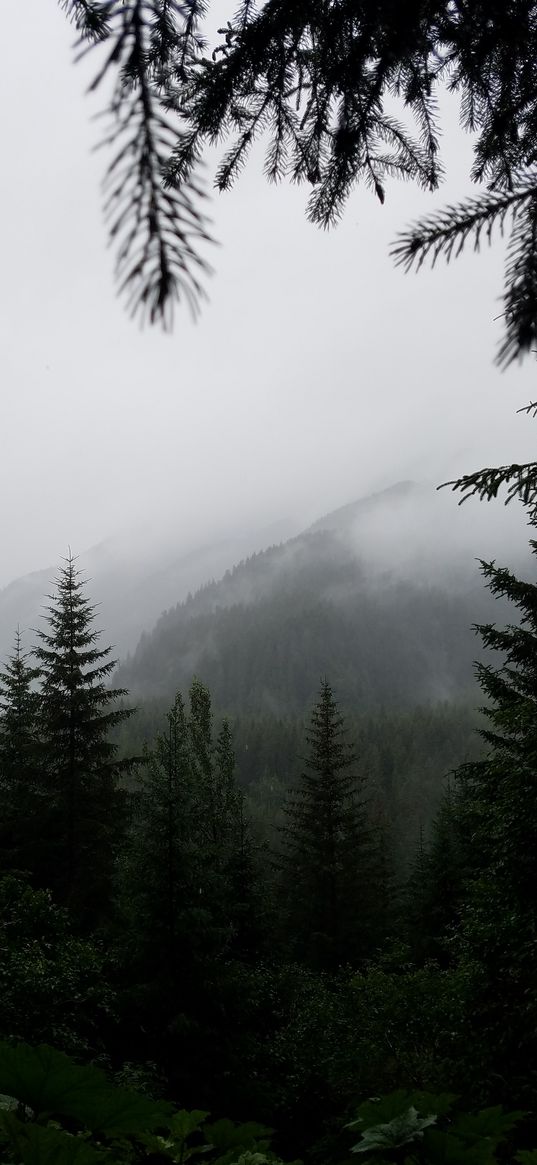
[
  {"x": 167, "y": 937},
  {"x": 499, "y": 792},
  {"x": 327, "y": 860},
  {"x": 200, "y": 730},
  {"x": 79, "y": 765},
  {"x": 189, "y": 846},
  {"x": 237, "y": 855},
  {"x": 434, "y": 891},
  {"x": 21, "y": 807},
  {"x": 208, "y": 831},
  {"x": 188, "y": 886},
  {"x": 416, "y": 901},
  {"x": 224, "y": 846},
  {"x": 497, "y": 822},
  {"x": 227, "y": 800},
  {"x": 160, "y": 882}
]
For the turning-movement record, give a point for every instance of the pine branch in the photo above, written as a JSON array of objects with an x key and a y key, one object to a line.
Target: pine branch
[
  {"x": 157, "y": 230},
  {"x": 447, "y": 233},
  {"x": 485, "y": 484},
  {"x": 520, "y": 293},
  {"x": 90, "y": 18},
  {"x": 530, "y": 409},
  {"x": 317, "y": 75}
]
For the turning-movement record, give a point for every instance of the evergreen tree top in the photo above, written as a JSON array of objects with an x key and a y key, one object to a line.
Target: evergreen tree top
[
  {"x": 79, "y": 768},
  {"x": 67, "y": 652},
  {"x": 326, "y": 861},
  {"x": 501, "y": 786},
  {"x": 71, "y": 666},
  {"x": 327, "y": 792},
  {"x": 16, "y": 680},
  {"x": 19, "y": 702}
]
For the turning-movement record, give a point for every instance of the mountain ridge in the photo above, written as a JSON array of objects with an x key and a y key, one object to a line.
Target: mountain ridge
[
  {"x": 129, "y": 587},
  {"x": 328, "y": 601}
]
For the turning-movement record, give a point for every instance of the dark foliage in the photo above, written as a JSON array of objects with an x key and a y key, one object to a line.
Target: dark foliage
[
  {"x": 188, "y": 888},
  {"x": 53, "y": 985},
  {"x": 20, "y": 759},
  {"x": 435, "y": 890},
  {"x": 326, "y": 861},
  {"x": 81, "y": 805},
  {"x": 498, "y": 825},
  {"x": 343, "y": 93},
  {"x": 156, "y": 229}
]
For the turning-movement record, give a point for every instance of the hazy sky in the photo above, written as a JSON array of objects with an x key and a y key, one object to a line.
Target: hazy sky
[{"x": 317, "y": 371}]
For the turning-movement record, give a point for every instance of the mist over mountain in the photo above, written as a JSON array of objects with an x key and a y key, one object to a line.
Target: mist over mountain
[
  {"x": 380, "y": 595},
  {"x": 132, "y": 578}
]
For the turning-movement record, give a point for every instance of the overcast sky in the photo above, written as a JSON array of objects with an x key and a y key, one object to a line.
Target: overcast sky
[{"x": 317, "y": 372}]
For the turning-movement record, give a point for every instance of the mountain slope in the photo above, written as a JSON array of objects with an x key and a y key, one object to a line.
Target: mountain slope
[
  {"x": 328, "y": 602},
  {"x": 132, "y": 579}
]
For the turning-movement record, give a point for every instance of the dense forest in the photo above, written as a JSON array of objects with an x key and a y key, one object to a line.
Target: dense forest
[{"x": 266, "y": 917}]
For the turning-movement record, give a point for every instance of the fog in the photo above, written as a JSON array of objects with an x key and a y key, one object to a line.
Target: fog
[
  {"x": 317, "y": 374},
  {"x": 413, "y": 532},
  {"x": 385, "y": 591}
]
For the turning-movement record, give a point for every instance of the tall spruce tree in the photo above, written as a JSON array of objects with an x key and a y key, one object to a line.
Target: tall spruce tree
[
  {"x": 80, "y": 768},
  {"x": 497, "y": 824},
  {"x": 160, "y": 879},
  {"x": 20, "y": 801},
  {"x": 189, "y": 842},
  {"x": 221, "y": 831},
  {"x": 238, "y": 856},
  {"x": 435, "y": 888},
  {"x": 200, "y": 731},
  {"x": 414, "y": 921},
  {"x": 226, "y": 798},
  {"x": 327, "y": 864},
  {"x": 188, "y": 890}
]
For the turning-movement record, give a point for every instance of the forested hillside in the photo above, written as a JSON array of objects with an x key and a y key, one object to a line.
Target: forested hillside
[
  {"x": 395, "y": 637},
  {"x": 138, "y": 573},
  {"x": 264, "y": 634}
]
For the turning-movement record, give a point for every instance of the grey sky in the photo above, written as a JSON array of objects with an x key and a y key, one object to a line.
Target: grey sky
[{"x": 317, "y": 371}]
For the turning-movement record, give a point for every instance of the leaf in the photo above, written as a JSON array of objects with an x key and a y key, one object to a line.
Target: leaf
[
  {"x": 382, "y": 1109},
  {"x": 403, "y": 1129},
  {"x": 38, "y": 1145},
  {"x": 249, "y": 1158},
  {"x": 489, "y": 1123},
  {"x": 438, "y": 1102},
  {"x": 184, "y": 1123},
  {"x": 442, "y": 1148},
  {"x": 179, "y": 1128},
  {"x": 50, "y": 1084},
  {"x": 225, "y": 1134},
  {"x": 8, "y": 1103}
]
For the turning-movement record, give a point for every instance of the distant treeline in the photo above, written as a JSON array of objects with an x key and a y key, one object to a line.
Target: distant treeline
[{"x": 405, "y": 757}]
